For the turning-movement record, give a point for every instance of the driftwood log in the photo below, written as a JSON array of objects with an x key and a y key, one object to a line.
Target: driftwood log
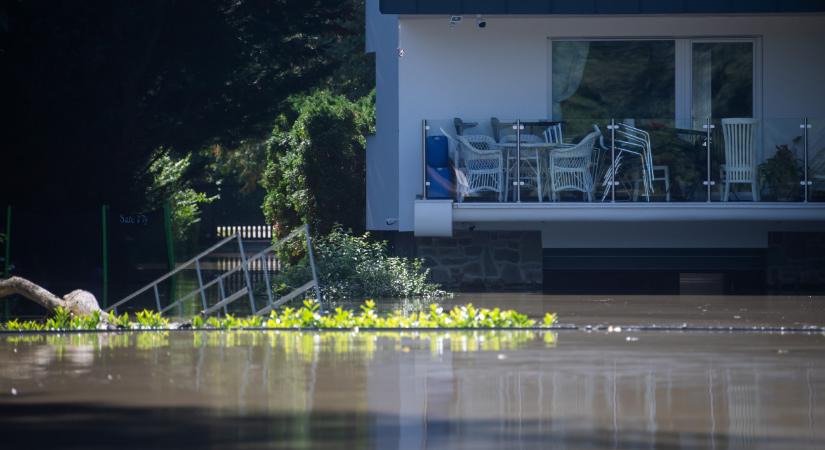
[{"x": 78, "y": 302}]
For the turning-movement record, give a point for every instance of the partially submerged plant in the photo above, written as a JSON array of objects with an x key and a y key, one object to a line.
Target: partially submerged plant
[
  {"x": 151, "y": 319},
  {"x": 61, "y": 320},
  {"x": 309, "y": 316}
]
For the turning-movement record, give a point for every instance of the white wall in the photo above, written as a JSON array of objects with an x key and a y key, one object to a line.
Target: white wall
[
  {"x": 382, "y": 148},
  {"x": 502, "y": 70}
]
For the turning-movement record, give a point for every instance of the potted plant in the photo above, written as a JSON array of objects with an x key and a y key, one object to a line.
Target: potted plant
[{"x": 781, "y": 174}]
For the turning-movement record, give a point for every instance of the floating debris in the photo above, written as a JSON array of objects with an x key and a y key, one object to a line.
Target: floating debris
[{"x": 631, "y": 339}]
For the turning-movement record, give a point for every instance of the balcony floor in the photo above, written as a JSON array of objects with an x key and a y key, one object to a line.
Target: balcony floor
[{"x": 631, "y": 212}]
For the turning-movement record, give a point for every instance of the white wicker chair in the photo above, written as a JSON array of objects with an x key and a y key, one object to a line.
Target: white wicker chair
[
  {"x": 482, "y": 163},
  {"x": 740, "y": 155},
  {"x": 569, "y": 168},
  {"x": 530, "y": 170}
]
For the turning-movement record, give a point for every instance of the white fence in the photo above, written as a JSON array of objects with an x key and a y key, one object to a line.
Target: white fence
[{"x": 246, "y": 231}]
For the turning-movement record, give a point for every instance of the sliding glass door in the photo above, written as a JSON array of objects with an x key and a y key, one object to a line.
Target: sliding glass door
[{"x": 722, "y": 79}]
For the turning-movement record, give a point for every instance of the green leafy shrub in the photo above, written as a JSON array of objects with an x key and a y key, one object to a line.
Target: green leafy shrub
[
  {"x": 356, "y": 267},
  {"x": 316, "y": 169},
  {"x": 61, "y": 320},
  {"x": 26, "y": 325},
  {"x": 151, "y": 319},
  {"x": 89, "y": 322},
  {"x": 121, "y": 321}
]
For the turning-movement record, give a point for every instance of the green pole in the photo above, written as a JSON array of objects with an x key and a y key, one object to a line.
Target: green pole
[
  {"x": 170, "y": 244},
  {"x": 105, "y": 237},
  {"x": 7, "y": 260}
]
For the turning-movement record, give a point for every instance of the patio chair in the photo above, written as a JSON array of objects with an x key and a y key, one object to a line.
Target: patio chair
[
  {"x": 530, "y": 164},
  {"x": 553, "y": 134},
  {"x": 740, "y": 156},
  {"x": 569, "y": 168},
  {"x": 637, "y": 142},
  {"x": 482, "y": 164}
]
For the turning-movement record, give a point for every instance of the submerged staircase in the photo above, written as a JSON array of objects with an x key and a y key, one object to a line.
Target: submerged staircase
[{"x": 261, "y": 261}]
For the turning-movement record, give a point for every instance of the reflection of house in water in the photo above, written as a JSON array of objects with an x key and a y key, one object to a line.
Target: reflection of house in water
[{"x": 610, "y": 398}]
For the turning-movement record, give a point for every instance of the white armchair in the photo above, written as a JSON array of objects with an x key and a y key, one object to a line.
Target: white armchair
[
  {"x": 482, "y": 164},
  {"x": 569, "y": 168}
]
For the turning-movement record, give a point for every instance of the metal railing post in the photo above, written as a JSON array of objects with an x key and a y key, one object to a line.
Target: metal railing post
[
  {"x": 7, "y": 260},
  {"x": 518, "y": 161},
  {"x": 708, "y": 180},
  {"x": 805, "y": 182},
  {"x": 265, "y": 266},
  {"x": 104, "y": 236},
  {"x": 200, "y": 282},
  {"x": 612, "y": 160},
  {"x": 223, "y": 293},
  {"x": 7, "y": 250},
  {"x": 245, "y": 269},
  {"x": 157, "y": 296},
  {"x": 311, "y": 256},
  {"x": 424, "y": 128}
]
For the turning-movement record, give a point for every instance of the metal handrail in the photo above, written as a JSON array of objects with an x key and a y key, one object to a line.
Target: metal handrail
[
  {"x": 171, "y": 273},
  {"x": 243, "y": 266}
]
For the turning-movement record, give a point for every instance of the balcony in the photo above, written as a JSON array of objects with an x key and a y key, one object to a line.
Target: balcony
[{"x": 516, "y": 170}]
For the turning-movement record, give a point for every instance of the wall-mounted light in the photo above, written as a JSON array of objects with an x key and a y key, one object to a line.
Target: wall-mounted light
[{"x": 480, "y": 21}]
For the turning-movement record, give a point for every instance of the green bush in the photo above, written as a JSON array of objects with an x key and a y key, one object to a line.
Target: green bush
[
  {"x": 316, "y": 170},
  {"x": 356, "y": 267}
]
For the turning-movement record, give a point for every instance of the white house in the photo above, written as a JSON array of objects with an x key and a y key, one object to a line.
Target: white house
[{"x": 653, "y": 146}]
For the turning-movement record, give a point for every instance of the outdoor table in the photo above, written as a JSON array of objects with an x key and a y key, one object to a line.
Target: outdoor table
[
  {"x": 544, "y": 149},
  {"x": 498, "y": 125}
]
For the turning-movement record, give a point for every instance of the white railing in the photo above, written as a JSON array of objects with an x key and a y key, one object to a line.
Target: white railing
[{"x": 245, "y": 231}]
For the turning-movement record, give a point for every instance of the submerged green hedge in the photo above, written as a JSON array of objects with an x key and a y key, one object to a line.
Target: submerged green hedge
[{"x": 307, "y": 316}]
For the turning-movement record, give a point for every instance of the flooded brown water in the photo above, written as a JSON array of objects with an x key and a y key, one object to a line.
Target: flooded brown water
[
  {"x": 663, "y": 310},
  {"x": 467, "y": 389}
]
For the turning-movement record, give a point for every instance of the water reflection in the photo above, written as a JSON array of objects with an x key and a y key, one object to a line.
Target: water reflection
[{"x": 528, "y": 389}]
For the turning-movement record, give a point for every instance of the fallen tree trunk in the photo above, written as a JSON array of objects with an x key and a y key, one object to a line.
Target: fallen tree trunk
[{"x": 77, "y": 302}]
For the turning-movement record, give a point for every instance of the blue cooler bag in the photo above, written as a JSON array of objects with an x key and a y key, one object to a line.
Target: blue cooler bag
[
  {"x": 442, "y": 182},
  {"x": 437, "y": 151}
]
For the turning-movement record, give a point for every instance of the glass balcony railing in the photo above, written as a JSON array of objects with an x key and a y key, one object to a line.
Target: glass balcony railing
[
  {"x": 609, "y": 160},
  {"x": 815, "y": 160}
]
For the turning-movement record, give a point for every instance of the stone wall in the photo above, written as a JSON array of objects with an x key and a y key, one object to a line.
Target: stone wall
[
  {"x": 473, "y": 260},
  {"x": 796, "y": 262}
]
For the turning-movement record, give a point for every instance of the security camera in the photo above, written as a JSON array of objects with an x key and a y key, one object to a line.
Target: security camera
[
  {"x": 481, "y": 22},
  {"x": 455, "y": 20}
]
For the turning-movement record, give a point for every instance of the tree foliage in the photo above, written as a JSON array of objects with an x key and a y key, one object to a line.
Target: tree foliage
[
  {"x": 315, "y": 171},
  {"x": 170, "y": 184},
  {"x": 95, "y": 86}
]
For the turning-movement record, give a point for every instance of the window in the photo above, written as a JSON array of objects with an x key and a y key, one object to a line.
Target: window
[
  {"x": 722, "y": 79},
  {"x": 621, "y": 79}
]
